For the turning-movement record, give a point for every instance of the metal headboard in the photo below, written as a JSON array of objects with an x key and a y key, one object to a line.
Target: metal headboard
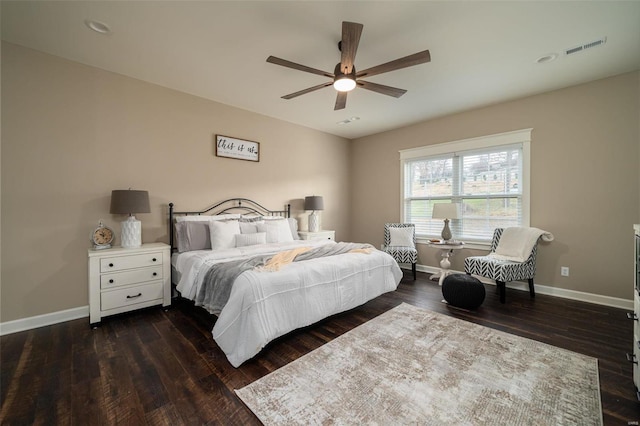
[{"x": 232, "y": 205}]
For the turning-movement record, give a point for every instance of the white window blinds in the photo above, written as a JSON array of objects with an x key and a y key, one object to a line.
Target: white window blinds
[{"x": 486, "y": 179}]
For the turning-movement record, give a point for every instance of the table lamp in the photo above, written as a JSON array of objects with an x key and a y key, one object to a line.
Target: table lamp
[
  {"x": 129, "y": 201},
  {"x": 446, "y": 211},
  {"x": 314, "y": 203}
]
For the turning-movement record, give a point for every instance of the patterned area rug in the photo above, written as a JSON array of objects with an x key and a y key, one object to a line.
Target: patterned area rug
[{"x": 412, "y": 366}]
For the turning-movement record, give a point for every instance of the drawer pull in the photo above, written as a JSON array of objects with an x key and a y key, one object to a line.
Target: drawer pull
[
  {"x": 154, "y": 259},
  {"x": 155, "y": 274},
  {"x": 111, "y": 281},
  {"x": 632, "y": 315},
  {"x": 632, "y": 358},
  {"x": 140, "y": 294},
  {"x": 111, "y": 265}
]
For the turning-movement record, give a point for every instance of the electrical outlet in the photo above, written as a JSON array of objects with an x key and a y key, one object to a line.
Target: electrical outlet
[{"x": 564, "y": 271}]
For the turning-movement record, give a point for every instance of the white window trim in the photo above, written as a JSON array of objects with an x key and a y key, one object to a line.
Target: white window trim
[{"x": 508, "y": 138}]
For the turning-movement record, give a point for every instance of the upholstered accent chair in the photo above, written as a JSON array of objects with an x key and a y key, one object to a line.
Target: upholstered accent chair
[
  {"x": 400, "y": 243},
  {"x": 503, "y": 271}
]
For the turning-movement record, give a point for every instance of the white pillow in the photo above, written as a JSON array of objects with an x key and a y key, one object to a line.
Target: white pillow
[
  {"x": 293, "y": 225},
  {"x": 249, "y": 227},
  {"x": 401, "y": 237},
  {"x": 278, "y": 231},
  {"x": 206, "y": 217},
  {"x": 250, "y": 239},
  {"x": 223, "y": 234}
]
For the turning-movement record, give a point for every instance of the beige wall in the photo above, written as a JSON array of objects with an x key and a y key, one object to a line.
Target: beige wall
[
  {"x": 584, "y": 178},
  {"x": 73, "y": 133}
]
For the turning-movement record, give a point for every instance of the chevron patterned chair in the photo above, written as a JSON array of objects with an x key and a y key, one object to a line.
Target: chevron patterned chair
[
  {"x": 503, "y": 271},
  {"x": 400, "y": 243}
]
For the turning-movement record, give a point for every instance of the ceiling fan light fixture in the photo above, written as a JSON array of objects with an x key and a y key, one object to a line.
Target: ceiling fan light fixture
[{"x": 344, "y": 82}]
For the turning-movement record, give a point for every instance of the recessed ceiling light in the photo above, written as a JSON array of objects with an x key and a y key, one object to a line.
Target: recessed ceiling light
[
  {"x": 97, "y": 26},
  {"x": 547, "y": 58}
]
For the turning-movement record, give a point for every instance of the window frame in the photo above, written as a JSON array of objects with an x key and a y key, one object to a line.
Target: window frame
[{"x": 522, "y": 136}]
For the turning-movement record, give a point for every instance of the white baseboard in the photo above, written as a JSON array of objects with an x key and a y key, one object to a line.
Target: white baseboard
[
  {"x": 551, "y": 291},
  {"x": 15, "y": 326}
]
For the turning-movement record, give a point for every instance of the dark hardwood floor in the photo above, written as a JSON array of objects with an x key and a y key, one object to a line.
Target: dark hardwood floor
[{"x": 157, "y": 367}]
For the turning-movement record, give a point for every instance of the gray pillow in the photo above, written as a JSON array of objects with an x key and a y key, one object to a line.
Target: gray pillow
[{"x": 193, "y": 235}]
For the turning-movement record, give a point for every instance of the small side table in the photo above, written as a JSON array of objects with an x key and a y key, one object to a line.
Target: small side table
[{"x": 446, "y": 250}]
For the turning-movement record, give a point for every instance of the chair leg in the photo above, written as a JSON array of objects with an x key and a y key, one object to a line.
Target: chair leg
[
  {"x": 502, "y": 288},
  {"x": 413, "y": 268},
  {"x": 532, "y": 292}
]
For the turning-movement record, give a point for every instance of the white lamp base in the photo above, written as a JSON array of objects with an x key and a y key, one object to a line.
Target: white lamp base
[
  {"x": 314, "y": 224},
  {"x": 131, "y": 233}
]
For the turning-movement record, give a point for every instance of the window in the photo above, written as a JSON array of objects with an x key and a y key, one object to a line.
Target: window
[{"x": 487, "y": 176}]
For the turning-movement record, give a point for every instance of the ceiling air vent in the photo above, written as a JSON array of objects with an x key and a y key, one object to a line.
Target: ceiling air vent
[{"x": 586, "y": 46}]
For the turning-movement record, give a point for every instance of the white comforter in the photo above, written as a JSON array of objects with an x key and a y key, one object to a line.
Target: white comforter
[{"x": 265, "y": 305}]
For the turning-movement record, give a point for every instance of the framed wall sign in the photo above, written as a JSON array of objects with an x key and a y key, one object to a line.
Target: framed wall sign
[{"x": 237, "y": 148}]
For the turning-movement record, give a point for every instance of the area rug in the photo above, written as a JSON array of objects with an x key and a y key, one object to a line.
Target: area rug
[{"x": 413, "y": 366}]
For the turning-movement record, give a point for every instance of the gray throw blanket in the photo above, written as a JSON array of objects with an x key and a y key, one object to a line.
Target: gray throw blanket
[{"x": 218, "y": 280}]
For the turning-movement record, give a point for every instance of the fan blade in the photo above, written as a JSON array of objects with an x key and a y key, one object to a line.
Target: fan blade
[
  {"x": 351, "y": 32},
  {"x": 289, "y": 64},
  {"x": 341, "y": 101},
  {"x": 379, "y": 88},
  {"x": 310, "y": 89},
  {"x": 407, "y": 61}
]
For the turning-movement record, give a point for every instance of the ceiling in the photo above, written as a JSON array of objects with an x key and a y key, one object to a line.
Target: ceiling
[{"x": 481, "y": 52}]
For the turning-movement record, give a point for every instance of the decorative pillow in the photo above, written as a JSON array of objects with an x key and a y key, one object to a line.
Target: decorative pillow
[
  {"x": 401, "y": 237},
  {"x": 293, "y": 224},
  {"x": 251, "y": 218},
  {"x": 223, "y": 234},
  {"x": 206, "y": 218},
  {"x": 192, "y": 235},
  {"x": 277, "y": 230},
  {"x": 243, "y": 240},
  {"x": 249, "y": 227}
]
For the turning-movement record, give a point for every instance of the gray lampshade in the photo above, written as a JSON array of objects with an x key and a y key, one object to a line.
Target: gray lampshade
[
  {"x": 314, "y": 202},
  {"x": 129, "y": 201}
]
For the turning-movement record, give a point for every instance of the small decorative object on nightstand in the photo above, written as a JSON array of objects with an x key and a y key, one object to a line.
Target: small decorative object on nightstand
[
  {"x": 122, "y": 280},
  {"x": 102, "y": 237},
  {"x": 320, "y": 235}
]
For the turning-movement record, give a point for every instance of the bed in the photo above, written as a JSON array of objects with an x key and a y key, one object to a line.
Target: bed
[{"x": 245, "y": 264}]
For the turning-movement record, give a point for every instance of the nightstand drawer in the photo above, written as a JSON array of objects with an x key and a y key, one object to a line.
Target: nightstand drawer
[
  {"x": 320, "y": 235},
  {"x": 131, "y": 295},
  {"x": 134, "y": 276},
  {"x": 119, "y": 263}
]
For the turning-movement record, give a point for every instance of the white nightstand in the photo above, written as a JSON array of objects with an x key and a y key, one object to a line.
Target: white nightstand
[
  {"x": 320, "y": 235},
  {"x": 122, "y": 280}
]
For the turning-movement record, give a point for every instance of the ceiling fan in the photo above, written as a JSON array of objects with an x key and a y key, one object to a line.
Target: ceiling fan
[{"x": 345, "y": 78}]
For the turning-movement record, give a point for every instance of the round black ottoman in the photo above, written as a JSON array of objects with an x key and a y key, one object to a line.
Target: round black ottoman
[{"x": 463, "y": 291}]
